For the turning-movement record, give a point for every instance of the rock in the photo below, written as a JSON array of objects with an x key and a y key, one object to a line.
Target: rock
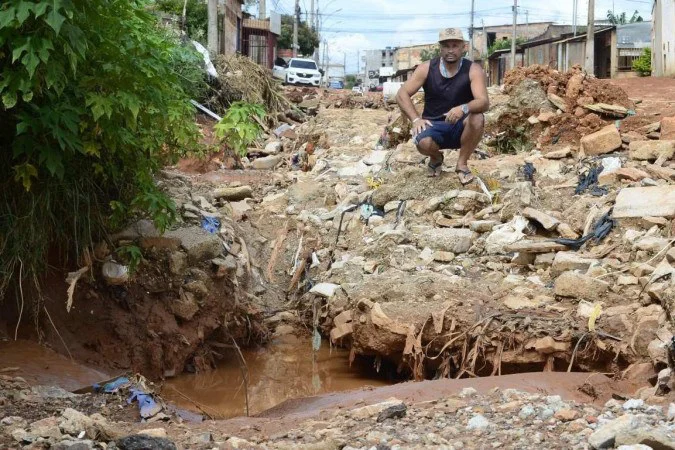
[
  {"x": 671, "y": 412},
  {"x": 546, "y": 221},
  {"x": 47, "y": 428},
  {"x": 547, "y": 345},
  {"x": 392, "y": 412},
  {"x": 70, "y": 444},
  {"x": 517, "y": 303},
  {"x": 566, "y": 261},
  {"x": 444, "y": 257},
  {"x": 238, "y": 443},
  {"x": 325, "y": 289},
  {"x": 624, "y": 173},
  {"x": 546, "y": 116},
  {"x": 557, "y": 102},
  {"x": 572, "y": 284},
  {"x": 627, "y": 280},
  {"x": 233, "y": 194},
  {"x": 200, "y": 439},
  {"x": 541, "y": 246},
  {"x": 75, "y": 422},
  {"x": 567, "y": 231},
  {"x": 267, "y": 162},
  {"x": 478, "y": 422},
  {"x": 48, "y": 392},
  {"x": 566, "y": 415},
  {"x": 272, "y": 148},
  {"x": 186, "y": 307},
  {"x": 483, "y": 226},
  {"x": 154, "y": 432},
  {"x": 559, "y": 154},
  {"x": 659, "y": 172},
  {"x": 664, "y": 381},
  {"x": 376, "y": 157},
  {"x": 652, "y": 244},
  {"x": 447, "y": 239},
  {"x": 143, "y": 442},
  {"x": 651, "y": 150},
  {"x": 115, "y": 274},
  {"x": 604, "y": 141},
  {"x": 371, "y": 410},
  {"x": 655, "y": 438},
  {"x": 668, "y": 128},
  {"x": 532, "y": 120},
  {"x": 645, "y": 201},
  {"x": 605, "y": 435},
  {"x": 199, "y": 244}
]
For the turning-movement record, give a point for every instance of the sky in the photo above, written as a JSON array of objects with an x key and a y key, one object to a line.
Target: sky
[{"x": 350, "y": 26}]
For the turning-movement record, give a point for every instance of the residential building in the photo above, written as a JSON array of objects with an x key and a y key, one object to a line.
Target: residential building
[
  {"x": 485, "y": 37},
  {"x": 632, "y": 39},
  {"x": 259, "y": 39},
  {"x": 375, "y": 60},
  {"x": 663, "y": 38}
]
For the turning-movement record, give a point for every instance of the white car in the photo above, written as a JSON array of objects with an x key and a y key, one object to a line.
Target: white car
[{"x": 299, "y": 71}]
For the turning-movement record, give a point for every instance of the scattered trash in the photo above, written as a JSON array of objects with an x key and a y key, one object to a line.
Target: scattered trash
[
  {"x": 602, "y": 228},
  {"x": 589, "y": 182},
  {"x": 147, "y": 406},
  {"x": 211, "y": 225},
  {"x": 112, "y": 386},
  {"x": 528, "y": 170}
]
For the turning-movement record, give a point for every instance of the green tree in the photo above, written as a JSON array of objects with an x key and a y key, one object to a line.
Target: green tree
[
  {"x": 503, "y": 44},
  {"x": 196, "y": 16},
  {"x": 621, "y": 19},
  {"x": 643, "y": 65},
  {"x": 427, "y": 55},
  {"x": 308, "y": 39},
  {"x": 91, "y": 107}
]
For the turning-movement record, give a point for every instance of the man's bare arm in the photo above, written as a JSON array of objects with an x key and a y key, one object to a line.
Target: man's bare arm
[
  {"x": 480, "y": 102},
  {"x": 404, "y": 100}
]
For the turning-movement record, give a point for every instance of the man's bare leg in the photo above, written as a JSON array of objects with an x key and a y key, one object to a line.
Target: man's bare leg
[
  {"x": 471, "y": 136},
  {"x": 430, "y": 148}
]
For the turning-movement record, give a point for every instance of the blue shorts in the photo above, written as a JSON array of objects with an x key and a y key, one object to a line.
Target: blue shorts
[{"x": 445, "y": 135}]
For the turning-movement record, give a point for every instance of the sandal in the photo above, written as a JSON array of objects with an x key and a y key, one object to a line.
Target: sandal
[
  {"x": 435, "y": 170},
  {"x": 466, "y": 173}
]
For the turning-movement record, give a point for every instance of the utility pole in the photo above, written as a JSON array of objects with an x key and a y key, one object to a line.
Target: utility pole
[
  {"x": 296, "y": 12},
  {"x": 574, "y": 19},
  {"x": 589, "y": 65},
  {"x": 262, "y": 9},
  {"x": 527, "y": 24},
  {"x": 212, "y": 29},
  {"x": 471, "y": 32},
  {"x": 485, "y": 39},
  {"x": 311, "y": 15},
  {"x": 513, "y": 38}
]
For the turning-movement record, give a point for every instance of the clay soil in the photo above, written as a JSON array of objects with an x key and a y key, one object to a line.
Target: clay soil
[{"x": 653, "y": 97}]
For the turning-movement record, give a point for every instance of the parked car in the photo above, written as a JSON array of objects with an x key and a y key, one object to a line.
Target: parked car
[
  {"x": 336, "y": 84},
  {"x": 298, "y": 71},
  {"x": 357, "y": 89}
]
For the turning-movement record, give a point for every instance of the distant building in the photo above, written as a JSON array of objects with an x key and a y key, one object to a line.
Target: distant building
[
  {"x": 260, "y": 39},
  {"x": 373, "y": 61},
  {"x": 631, "y": 40},
  {"x": 231, "y": 26},
  {"x": 485, "y": 37},
  {"x": 663, "y": 38}
]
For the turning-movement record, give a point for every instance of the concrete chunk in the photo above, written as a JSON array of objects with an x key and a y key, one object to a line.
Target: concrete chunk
[
  {"x": 546, "y": 221},
  {"x": 199, "y": 245},
  {"x": 233, "y": 194},
  {"x": 453, "y": 240},
  {"x": 604, "y": 141},
  {"x": 575, "y": 285},
  {"x": 651, "y": 150},
  {"x": 535, "y": 247},
  {"x": 653, "y": 201},
  {"x": 566, "y": 261}
]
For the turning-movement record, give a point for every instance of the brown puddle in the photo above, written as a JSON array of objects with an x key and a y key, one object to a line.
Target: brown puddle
[
  {"x": 39, "y": 365},
  {"x": 284, "y": 370}
]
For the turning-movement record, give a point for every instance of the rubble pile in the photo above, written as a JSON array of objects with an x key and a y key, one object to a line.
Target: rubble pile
[{"x": 45, "y": 418}]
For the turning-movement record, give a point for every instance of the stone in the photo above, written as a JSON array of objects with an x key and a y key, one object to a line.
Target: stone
[
  {"x": 447, "y": 239},
  {"x": 668, "y": 128},
  {"x": 233, "y": 194},
  {"x": 546, "y": 116},
  {"x": 624, "y": 173},
  {"x": 566, "y": 231},
  {"x": 326, "y": 290},
  {"x": 532, "y": 120},
  {"x": 478, "y": 422},
  {"x": 605, "y": 435},
  {"x": 639, "y": 373},
  {"x": 645, "y": 201},
  {"x": 237, "y": 443},
  {"x": 376, "y": 157},
  {"x": 267, "y": 162},
  {"x": 659, "y": 172},
  {"x": 603, "y": 141},
  {"x": 143, "y": 442},
  {"x": 199, "y": 439},
  {"x": 557, "y": 102},
  {"x": 653, "y": 437},
  {"x": 651, "y": 150},
  {"x": 186, "y": 307},
  {"x": 154, "y": 432},
  {"x": 633, "y": 404},
  {"x": 545, "y": 220},
  {"x": 372, "y": 410},
  {"x": 70, "y": 444},
  {"x": 566, "y": 261},
  {"x": 444, "y": 257},
  {"x": 547, "y": 345},
  {"x": 534, "y": 246},
  {"x": 483, "y": 226},
  {"x": 517, "y": 303},
  {"x": 393, "y": 412},
  {"x": 626, "y": 280},
  {"x": 74, "y": 422},
  {"x": 559, "y": 154},
  {"x": 272, "y": 148},
  {"x": 115, "y": 274},
  {"x": 575, "y": 285},
  {"x": 47, "y": 428},
  {"x": 567, "y": 415},
  {"x": 198, "y": 243},
  {"x": 652, "y": 244}
]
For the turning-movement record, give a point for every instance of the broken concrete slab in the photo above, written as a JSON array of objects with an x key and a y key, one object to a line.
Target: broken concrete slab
[
  {"x": 603, "y": 141},
  {"x": 546, "y": 221},
  {"x": 653, "y": 201},
  {"x": 327, "y": 290},
  {"x": 566, "y": 261},
  {"x": 651, "y": 150},
  {"x": 455, "y": 240},
  {"x": 576, "y": 285},
  {"x": 233, "y": 194},
  {"x": 543, "y": 246},
  {"x": 199, "y": 244}
]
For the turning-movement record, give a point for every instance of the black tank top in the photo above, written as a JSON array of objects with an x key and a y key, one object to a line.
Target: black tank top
[{"x": 442, "y": 94}]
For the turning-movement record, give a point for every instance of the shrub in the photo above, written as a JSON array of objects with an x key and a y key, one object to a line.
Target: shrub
[
  {"x": 90, "y": 109},
  {"x": 239, "y": 128},
  {"x": 643, "y": 65}
]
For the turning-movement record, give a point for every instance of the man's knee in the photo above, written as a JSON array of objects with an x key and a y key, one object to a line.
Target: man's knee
[
  {"x": 475, "y": 121},
  {"x": 426, "y": 145}
]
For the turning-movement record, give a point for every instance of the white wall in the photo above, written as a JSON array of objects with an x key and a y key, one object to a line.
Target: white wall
[{"x": 663, "y": 49}]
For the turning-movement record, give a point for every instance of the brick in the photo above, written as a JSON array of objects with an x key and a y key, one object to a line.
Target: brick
[{"x": 604, "y": 141}]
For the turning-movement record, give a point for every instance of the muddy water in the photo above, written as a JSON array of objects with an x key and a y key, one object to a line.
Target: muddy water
[
  {"x": 284, "y": 370},
  {"x": 40, "y": 365}
]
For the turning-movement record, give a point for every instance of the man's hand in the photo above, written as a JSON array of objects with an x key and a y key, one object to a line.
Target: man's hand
[
  {"x": 454, "y": 115},
  {"x": 420, "y": 125}
]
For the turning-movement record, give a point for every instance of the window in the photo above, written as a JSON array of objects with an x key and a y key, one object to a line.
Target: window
[
  {"x": 299, "y": 64},
  {"x": 384, "y": 65}
]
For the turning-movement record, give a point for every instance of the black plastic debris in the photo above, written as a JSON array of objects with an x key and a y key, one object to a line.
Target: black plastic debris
[
  {"x": 589, "y": 182},
  {"x": 528, "y": 171},
  {"x": 600, "y": 231}
]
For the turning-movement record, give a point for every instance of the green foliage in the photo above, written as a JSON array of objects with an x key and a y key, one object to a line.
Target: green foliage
[
  {"x": 621, "y": 19},
  {"x": 196, "y": 16},
  {"x": 428, "y": 55},
  {"x": 91, "y": 109},
  {"x": 643, "y": 65},
  {"x": 238, "y": 128},
  {"x": 308, "y": 38},
  {"x": 130, "y": 255},
  {"x": 503, "y": 44}
]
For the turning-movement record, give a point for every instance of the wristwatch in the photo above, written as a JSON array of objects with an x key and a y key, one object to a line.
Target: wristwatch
[{"x": 465, "y": 108}]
